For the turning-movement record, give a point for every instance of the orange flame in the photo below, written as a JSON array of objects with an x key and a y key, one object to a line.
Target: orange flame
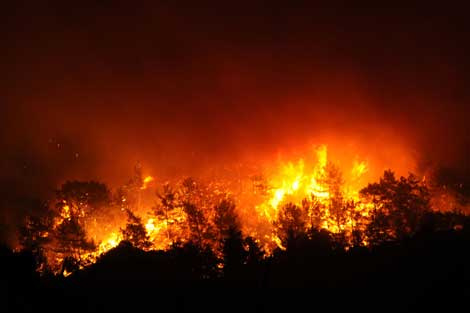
[
  {"x": 336, "y": 199},
  {"x": 147, "y": 180}
]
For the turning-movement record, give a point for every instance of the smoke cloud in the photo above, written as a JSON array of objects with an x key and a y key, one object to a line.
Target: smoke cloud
[{"x": 89, "y": 91}]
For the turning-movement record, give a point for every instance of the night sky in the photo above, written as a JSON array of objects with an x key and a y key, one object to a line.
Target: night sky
[{"x": 90, "y": 89}]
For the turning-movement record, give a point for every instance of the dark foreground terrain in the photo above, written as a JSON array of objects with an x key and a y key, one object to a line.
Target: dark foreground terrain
[{"x": 428, "y": 272}]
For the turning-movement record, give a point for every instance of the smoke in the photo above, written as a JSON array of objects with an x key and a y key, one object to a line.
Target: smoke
[{"x": 91, "y": 90}]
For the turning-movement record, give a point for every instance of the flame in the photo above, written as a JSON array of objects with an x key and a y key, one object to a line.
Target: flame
[
  {"x": 66, "y": 273},
  {"x": 109, "y": 243},
  {"x": 146, "y": 182},
  {"x": 315, "y": 178},
  {"x": 295, "y": 181},
  {"x": 150, "y": 226},
  {"x": 65, "y": 213},
  {"x": 359, "y": 169}
]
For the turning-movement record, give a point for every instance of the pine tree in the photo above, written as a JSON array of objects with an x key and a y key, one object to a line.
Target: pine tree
[{"x": 135, "y": 232}]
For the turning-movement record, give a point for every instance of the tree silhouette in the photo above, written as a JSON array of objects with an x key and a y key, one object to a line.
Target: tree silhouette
[
  {"x": 234, "y": 254},
  {"x": 193, "y": 262},
  {"x": 168, "y": 203},
  {"x": 196, "y": 221},
  {"x": 135, "y": 232},
  {"x": 314, "y": 211},
  {"x": 193, "y": 207},
  {"x": 337, "y": 207},
  {"x": 254, "y": 253},
  {"x": 35, "y": 235},
  {"x": 72, "y": 242},
  {"x": 84, "y": 195},
  {"x": 225, "y": 224},
  {"x": 358, "y": 225},
  {"x": 290, "y": 223},
  {"x": 225, "y": 219},
  {"x": 128, "y": 195},
  {"x": 398, "y": 206},
  {"x": 87, "y": 201}
]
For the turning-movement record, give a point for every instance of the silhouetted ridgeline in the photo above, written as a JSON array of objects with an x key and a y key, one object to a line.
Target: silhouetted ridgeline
[
  {"x": 401, "y": 256},
  {"x": 426, "y": 272}
]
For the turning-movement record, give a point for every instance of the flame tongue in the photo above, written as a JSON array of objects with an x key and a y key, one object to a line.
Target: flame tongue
[
  {"x": 146, "y": 181},
  {"x": 295, "y": 182}
]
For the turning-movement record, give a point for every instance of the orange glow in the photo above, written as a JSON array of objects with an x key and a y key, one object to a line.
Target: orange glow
[
  {"x": 109, "y": 243},
  {"x": 150, "y": 226},
  {"x": 65, "y": 213},
  {"x": 147, "y": 180},
  {"x": 66, "y": 273},
  {"x": 359, "y": 169},
  {"x": 325, "y": 190},
  {"x": 320, "y": 181}
]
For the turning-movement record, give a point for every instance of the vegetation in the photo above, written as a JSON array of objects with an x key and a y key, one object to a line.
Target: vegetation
[{"x": 403, "y": 242}]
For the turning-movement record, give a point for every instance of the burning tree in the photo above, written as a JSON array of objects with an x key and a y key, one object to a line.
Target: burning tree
[
  {"x": 129, "y": 195},
  {"x": 193, "y": 206},
  {"x": 89, "y": 202},
  {"x": 314, "y": 211},
  {"x": 290, "y": 224},
  {"x": 72, "y": 243},
  {"x": 333, "y": 181},
  {"x": 62, "y": 233},
  {"x": 291, "y": 207},
  {"x": 196, "y": 221},
  {"x": 168, "y": 204},
  {"x": 84, "y": 198},
  {"x": 135, "y": 232},
  {"x": 226, "y": 228},
  {"x": 225, "y": 218}
]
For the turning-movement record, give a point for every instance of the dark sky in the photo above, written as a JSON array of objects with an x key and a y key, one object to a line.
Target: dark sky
[{"x": 90, "y": 89}]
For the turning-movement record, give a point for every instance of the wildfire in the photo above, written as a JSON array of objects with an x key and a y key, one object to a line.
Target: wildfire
[
  {"x": 295, "y": 182},
  {"x": 150, "y": 226},
  {"x": 309, "y": 193},
  {"x": 109, "y": 243},
  {"x": 322, "y": 185}
]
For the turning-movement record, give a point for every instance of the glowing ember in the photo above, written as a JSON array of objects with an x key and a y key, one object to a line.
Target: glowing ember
[
  {"x": 66, "y": 273},
  {"x": 65, "y": 213}
]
